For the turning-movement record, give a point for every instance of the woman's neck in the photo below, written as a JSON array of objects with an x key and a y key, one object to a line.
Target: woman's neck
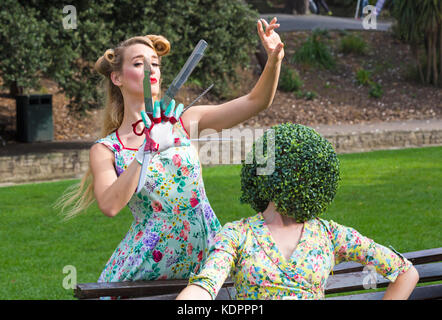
[
  {"x": 273, "y": 217},
  {"x": 132, "y": 114}
]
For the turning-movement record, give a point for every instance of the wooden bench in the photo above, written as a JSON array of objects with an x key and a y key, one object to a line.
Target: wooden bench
[{"x": 346, "y": 277}]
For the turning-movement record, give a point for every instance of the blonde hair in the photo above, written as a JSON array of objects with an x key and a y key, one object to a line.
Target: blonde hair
[{"x": 81, "y": 195}]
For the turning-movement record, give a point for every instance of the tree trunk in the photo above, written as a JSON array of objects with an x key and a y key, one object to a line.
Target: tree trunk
[
  {"x": 440, "y": 53},
  {"x": 300, "y": 6},
  {"x": 415, "y": 50},
  {"x": 289, "y": 6},
  {"x": 434, "y": 48},
  {"x": 15, "y": 89},
  {"x": 429, "y": 60}
]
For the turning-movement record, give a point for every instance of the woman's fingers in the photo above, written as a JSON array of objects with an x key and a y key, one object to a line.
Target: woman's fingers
[
  {"x": 170, "y": 108},
  {"x": 267, "y": 27}
]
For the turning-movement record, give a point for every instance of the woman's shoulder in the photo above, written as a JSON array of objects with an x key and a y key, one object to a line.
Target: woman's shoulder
[{"x": 111, "y": 141}]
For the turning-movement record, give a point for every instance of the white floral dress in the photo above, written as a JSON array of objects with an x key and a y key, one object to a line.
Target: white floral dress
[{"x": 174, "y": 224}]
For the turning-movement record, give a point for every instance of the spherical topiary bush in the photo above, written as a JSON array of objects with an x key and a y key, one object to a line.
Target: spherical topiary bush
[{"x": 305, "y": 176}]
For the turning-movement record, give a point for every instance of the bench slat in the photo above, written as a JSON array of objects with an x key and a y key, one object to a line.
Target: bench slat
[
  {"x": 416, "y": 257},
  {"x": 224, "y": 294},
  {"x": 354, "y": 280},
  {"x": 433, "y": 291},
  {"x": 133, "y": 288}
]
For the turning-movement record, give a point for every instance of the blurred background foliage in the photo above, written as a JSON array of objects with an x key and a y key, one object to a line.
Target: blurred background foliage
[{"x": 33, "y": 30}]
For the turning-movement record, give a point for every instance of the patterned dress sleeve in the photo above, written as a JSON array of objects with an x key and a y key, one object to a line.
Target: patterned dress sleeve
[
  {"x": 221, "y": 259},
  {"x": 114, "y": 147},
  {"x": 350, "y": 245}
]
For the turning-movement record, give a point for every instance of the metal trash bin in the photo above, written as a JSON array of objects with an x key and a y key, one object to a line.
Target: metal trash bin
[{"x": 34, "y": 118}]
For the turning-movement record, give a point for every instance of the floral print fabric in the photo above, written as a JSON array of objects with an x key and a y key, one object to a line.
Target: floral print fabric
[
  {"x": 174, "y": 224},
  {"x": 245, "y": 250}
]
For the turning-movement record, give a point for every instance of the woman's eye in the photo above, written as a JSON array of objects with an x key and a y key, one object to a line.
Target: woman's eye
[{"x": 136, "y": 64}]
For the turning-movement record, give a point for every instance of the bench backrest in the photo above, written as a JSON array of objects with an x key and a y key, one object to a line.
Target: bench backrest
[{"x": 346, "y": 277}]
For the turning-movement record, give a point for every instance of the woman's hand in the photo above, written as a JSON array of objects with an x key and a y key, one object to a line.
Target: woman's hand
[
  {"x": 270, "y": 39},
  {"x": 159, "y": 135}
]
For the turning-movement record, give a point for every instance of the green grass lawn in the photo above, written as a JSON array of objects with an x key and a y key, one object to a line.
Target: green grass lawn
[{"x": 393, "y": 197}]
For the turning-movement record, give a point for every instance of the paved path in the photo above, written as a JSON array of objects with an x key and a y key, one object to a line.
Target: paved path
[
  {"x": 408, "y": 125},
  {"x": 290, "y": 22}
]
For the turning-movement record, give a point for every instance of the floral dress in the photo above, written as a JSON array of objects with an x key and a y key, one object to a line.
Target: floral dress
[
  {"x": 245, "y": 250},
  {"x": 174, "y": 224}
]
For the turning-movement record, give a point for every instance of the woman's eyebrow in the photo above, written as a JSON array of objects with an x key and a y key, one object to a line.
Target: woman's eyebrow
[{"x": 142, "y": 56}]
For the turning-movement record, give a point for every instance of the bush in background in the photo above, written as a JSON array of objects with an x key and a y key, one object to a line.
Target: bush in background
[
  {"x": 289, "y": 80},
  {"x": 353, "y": 44},
  {"x": 23, "y": 55},
  {"x": 315, "y": 52},
  {"x": 228, "y": 26}
]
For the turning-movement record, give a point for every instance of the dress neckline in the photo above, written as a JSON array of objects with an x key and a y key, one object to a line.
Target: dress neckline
[
  {"x": 268, "y": 233},
  {"x": 119, "y": 140}
]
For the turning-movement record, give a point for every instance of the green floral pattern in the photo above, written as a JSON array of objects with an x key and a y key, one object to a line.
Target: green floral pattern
[
  {"x": 245, "y": 250},
  {"x": 174, "y": 224}
]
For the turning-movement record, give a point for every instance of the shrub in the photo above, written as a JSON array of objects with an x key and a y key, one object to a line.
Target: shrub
[
  {"x": 23, "y": 56},
  {"x": 307, "y": 95},
  {"x": 306, "y": 175},
  {"x": 376, "y": 90},
  {"x": 290, "y": 81},
  {"x": 353, "y": 44},
  {"x": 314, "y": 52},
  {"x": 363, "y": 77},
  {"x": 310, "y": 95},
  {"x": 101, "y": 25}
]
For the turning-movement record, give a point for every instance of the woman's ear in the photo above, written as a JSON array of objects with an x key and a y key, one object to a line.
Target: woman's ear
[{"x": 115, "y": 78}]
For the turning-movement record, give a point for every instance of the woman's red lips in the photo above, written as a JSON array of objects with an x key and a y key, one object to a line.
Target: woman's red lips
[{"x": 153, "y": 80}]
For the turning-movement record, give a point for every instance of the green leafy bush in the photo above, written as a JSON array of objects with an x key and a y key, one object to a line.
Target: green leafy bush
[
  {"x": 363, "y": 77},
  {"x": 376, "y": 90},
  {"x": 314, "y": 52},
  {"x": 228, "y": 26},
  {"x": 290, "y": 81},
  {"x": 306, "y": 175},
  {"x": 353, "y": 44},
  {"x": 23, "y": 56},
  {"x": 307, "y": 95}
]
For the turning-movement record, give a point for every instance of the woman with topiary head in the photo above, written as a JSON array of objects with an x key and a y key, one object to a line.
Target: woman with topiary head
[{"x": 286, "y": 251}]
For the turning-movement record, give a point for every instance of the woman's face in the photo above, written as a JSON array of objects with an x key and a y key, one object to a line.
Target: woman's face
[{"x": 133, "y": 70}]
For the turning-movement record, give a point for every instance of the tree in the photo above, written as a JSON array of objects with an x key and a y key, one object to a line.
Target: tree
[
  {"x": 228, "y": 26},
  {"x": 419, "y": 23},
  {"x": 23, "y": 55}
]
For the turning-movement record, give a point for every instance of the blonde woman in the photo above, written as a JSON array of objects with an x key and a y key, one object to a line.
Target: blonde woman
[{"x": 174, "y": 223}]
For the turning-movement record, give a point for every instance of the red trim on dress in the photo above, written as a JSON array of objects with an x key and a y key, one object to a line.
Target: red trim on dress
[
  {"x": 119, "y": 140},
  {"x": 188, "y": 136}
]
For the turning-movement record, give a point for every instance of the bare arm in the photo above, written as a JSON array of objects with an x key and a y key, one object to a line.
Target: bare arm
[
  {"x": 233, "y": 112},
  {"x": 194, "y": 292},
  {"x": 403, "y": 286},
  {"x": 112, "y": 192}
]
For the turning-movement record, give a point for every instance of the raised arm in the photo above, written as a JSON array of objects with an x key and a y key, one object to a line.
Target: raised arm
[{"x": 233, "y": 112}]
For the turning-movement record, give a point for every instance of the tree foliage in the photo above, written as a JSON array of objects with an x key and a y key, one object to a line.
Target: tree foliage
[
  {"x": 67, "y": 56},
  {"x": 419, "y": 23}
]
